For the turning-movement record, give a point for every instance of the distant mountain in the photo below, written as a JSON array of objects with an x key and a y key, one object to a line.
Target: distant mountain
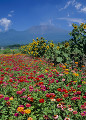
[{"x": 48, "y": 32}]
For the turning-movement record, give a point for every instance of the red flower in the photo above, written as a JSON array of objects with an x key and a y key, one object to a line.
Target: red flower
[
  {"x": 84, "y": 96},
  {"x": 41, "y": 100},
  {"x": 10, "y": 80},
  {"x": 0, "y": 82},
  {"x": 31, "y": 99},
  {"x": 58, "y": 99},
  {"x": 65, "y": 95},
  {"x": 40, "y": 83},
  {"x": 8, "y": 103},
  {"x": 2, "y": 75},
  {"x": 78, "y": 92},
  {"x": 59, "y": 89},
  {"x": 47, "y": 95},
  {"x": 37, "y": 78}
]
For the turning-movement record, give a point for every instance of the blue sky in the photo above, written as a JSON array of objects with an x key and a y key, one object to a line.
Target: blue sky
[{"x": 23, "y": 14}]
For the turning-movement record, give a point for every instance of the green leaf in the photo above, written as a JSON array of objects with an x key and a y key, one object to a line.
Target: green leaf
[
  {"x": 65, "y": 54},
  {"x": 59, "y": 59}
]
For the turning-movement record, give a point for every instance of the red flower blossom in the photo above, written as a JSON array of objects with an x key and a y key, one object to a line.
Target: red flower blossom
[
  {"x": 37, "y": 78},
  {"x": 41, "y": 100},
  {"x": 65, "y": 95},
  {"x": 59, "y": 89},
  {"x": 10, "y": 80},
  {"x": 8, "y": 103},
  {"x": 41, "y": 83},
  {"x": 58, "y": 99},
  {"x": 0, "y": 82},
  {"x": 19, "y": 92},
  {"x": 78, "y": 92},
  {"x": 74, "y": 98},
  {"x": 47, "y": 95},
  {"x": 31, "y": 99}
]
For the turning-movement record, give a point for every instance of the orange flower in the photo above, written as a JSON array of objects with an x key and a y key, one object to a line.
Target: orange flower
[
  {"x": 20, "y": 109},
  {"x": 76, "y": 62},
  {"x": 11, "y": 98},
  {"x": 64, "y": 67},
  {"x": 76, "y": 74},
  {"x": 30, "y": 118},
  {"x": 83, "y": 66},
  {"x": 27, "y": 111}
]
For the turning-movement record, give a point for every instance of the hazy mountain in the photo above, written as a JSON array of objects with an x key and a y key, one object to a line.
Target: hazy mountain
[{"x": 48, "y": 32}]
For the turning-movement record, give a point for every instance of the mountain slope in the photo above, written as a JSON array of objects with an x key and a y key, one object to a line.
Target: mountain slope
[{"x": 48, "y": 32}]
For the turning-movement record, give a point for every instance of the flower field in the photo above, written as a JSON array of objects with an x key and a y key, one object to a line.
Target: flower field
[{"x": 33, "y": 89}]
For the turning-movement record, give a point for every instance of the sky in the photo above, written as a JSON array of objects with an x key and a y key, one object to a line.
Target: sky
[{"x": 23, "y": 14}]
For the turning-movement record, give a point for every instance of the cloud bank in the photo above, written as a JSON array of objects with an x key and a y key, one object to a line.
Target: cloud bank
[{"x": 4, "y": 22}]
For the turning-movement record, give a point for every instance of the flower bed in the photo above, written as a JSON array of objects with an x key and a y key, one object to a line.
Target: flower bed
[{"x": 32, "y": 89}]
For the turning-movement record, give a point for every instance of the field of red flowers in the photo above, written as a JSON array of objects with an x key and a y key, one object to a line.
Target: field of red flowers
[{"x": 32, "y": 89}]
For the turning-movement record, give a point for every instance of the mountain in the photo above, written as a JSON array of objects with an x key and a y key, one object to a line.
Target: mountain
[{"x": 48, "y": 32}]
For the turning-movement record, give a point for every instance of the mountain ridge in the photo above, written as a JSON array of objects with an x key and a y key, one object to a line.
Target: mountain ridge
[{"x": 48, "y": 32}]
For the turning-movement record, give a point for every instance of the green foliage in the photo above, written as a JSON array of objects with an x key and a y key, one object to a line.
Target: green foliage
[
  {"x": 36, "y": 48},
  {"x": 58, "y": 53},
  {"x": 78, "y": 42},
  {"x": 64, "y": 52},
  {"x": 6, "y": 51}
]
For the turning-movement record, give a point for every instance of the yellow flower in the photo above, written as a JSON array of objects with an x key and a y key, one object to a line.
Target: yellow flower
[
  {"x": 65, "y": 63},
  {"x": 37, "y": 38},
  {"x": 37, "y": 41},
  {"x": 84, "y": 82},
  {"x": 74, "y": 81},
  {"x": 27, "y": 111},
  {"x": 31, "y": 52},
  {"x": 66, "y": 44},
  {"x": 52, "y": 45},
  {"x": 75, "y": 27},
  {"x": 46, "y": 71},
  {"x": 58, "y": 47},
  {"x": 66, "y": 72},
  {"x": 20, "y": 109},
  {"x": 66, "y": 69},
  {"x": 76, "y": 74},
  {"x": 47, "y": 47},
  {"x": 30, "y": 118},
  {"x": 84, "y": 26},
  {"x": 44, "y": 44}
]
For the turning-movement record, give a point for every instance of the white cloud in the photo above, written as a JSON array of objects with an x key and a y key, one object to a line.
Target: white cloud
[
  {"x": 12, "y": 11},
  {"x": 78, "y": 5},
  {"x": 9, "y": 15},
  {"x": 67, "y": 4},
  {"x": 83, "y": 9},
  {"x": 71, "y": 20},
  {"x": 69, "y": 24},
  {"x": 49, "y": 22},
  {"x": 5, "y": 23}
]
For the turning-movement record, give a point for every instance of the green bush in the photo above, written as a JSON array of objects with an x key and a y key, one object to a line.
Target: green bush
[
  {"x": 78, "y": 42},
  {"x": 7, "y": 51}
]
